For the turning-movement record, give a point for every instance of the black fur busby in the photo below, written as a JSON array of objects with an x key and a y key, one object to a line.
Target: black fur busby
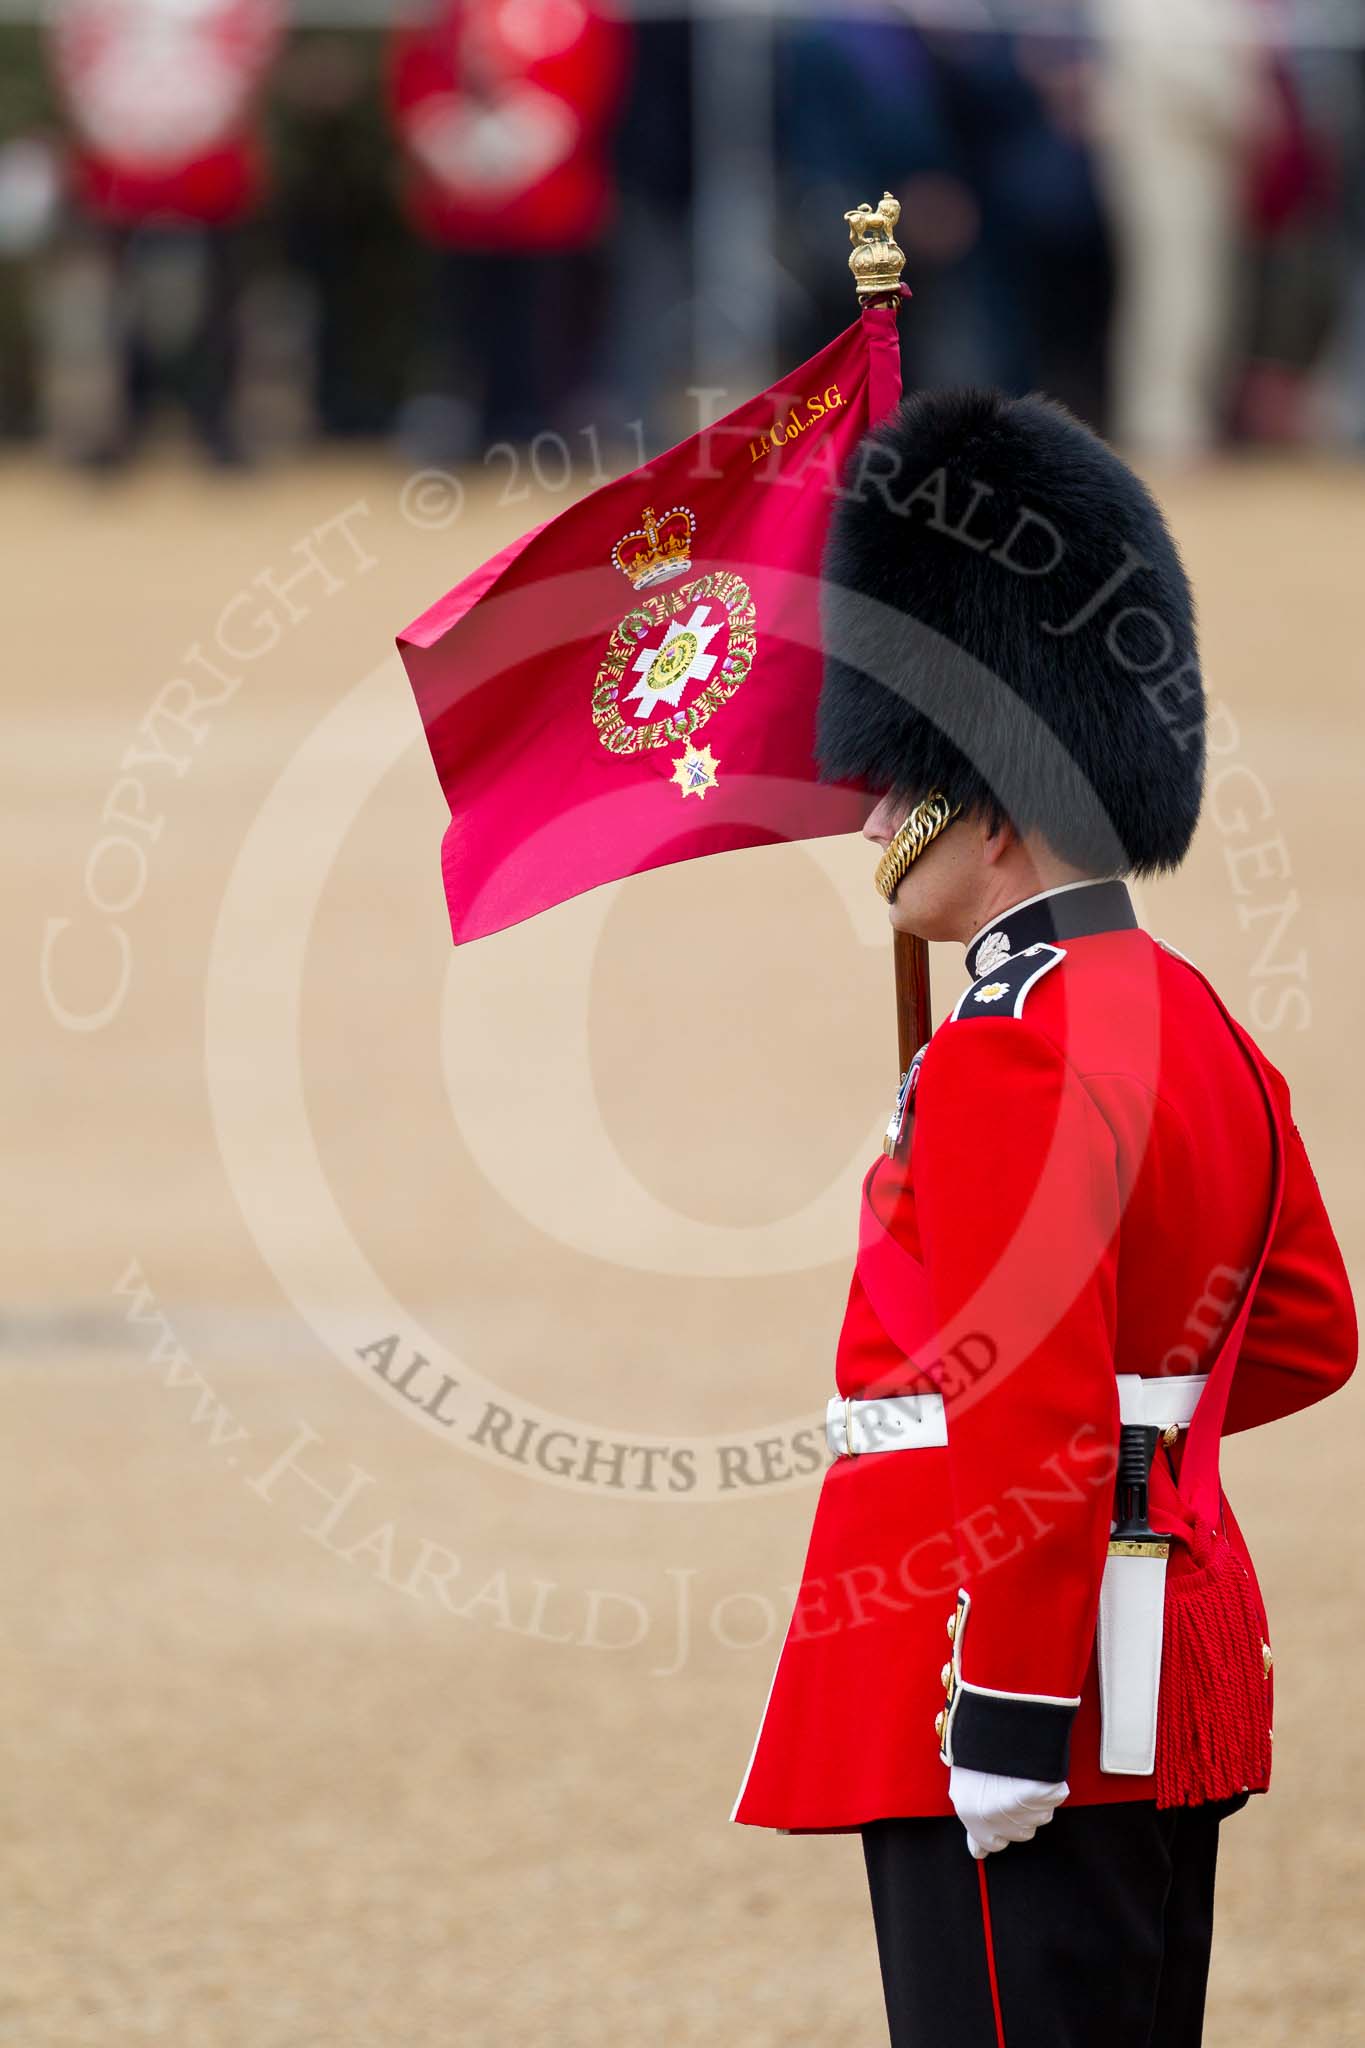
[{"x": 1006, "y": 619}]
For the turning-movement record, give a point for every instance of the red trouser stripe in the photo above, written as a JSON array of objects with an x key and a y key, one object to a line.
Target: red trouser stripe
[{"x": 990, "y": 1953}]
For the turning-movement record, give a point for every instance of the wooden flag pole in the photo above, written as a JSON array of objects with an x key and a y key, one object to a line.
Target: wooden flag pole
[
  {"x": 914, "y": 1019},
  {"x": 876, "y": 263}
]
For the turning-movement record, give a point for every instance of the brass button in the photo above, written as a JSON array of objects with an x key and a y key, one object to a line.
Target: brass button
[
  {"x": 945, "y": 1676},
  {"x": 940, "y": 1722},
  {"x": 1266, "y": 1658},
  {"x": 1170, "y": 1434},
  {"x": 952, "y": 1626}
]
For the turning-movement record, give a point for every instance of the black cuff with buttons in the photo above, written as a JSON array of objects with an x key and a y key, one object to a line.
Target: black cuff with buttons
[{"x": 1007, "y": 1733}]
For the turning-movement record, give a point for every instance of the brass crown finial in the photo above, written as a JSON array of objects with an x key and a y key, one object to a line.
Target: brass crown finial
[{"x": 876, "y": 261}]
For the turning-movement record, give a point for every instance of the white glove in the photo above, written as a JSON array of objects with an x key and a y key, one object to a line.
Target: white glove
[{"x": 996, "y": 1811}]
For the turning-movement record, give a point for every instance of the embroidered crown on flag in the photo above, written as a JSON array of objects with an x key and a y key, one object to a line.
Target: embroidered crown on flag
[
  {"x": 662, "y": 547},
  {"x": 584, "y": 685}
]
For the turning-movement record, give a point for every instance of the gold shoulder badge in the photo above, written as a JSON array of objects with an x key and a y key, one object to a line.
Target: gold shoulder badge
[
  {"x": 679, "y": 653},
  {"x": 694, "y": 771}
]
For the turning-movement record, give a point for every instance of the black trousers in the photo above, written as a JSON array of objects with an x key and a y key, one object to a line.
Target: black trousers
[
  {"x": 1095, "y": 1934},
  {"x": 202, "y": 369}
]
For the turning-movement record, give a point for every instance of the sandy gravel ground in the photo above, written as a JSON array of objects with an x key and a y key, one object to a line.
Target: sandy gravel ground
[{"x": 325, "y": 1724}]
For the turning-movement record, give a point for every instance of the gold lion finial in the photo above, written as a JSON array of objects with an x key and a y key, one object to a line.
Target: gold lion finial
[{"x": 876, "y": 261}]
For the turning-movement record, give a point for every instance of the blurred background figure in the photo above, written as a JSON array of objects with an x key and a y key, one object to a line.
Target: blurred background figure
[
  {"x": 165, "y": 169},
  {"x": 1292, "y": 190},
  {"x": 30, "y": 205},
  {"x": 1305, "y": 372},
  {"x": 504, "y": 110},
  {"x": 1184, "y": 94},
  {"x": 650, "y": 329},
  {"x": 1346, "y": 367},
  {"x": 336, "y": 278}
]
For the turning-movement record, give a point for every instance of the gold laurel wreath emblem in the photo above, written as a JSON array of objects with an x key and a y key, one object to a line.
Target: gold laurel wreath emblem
[
  {"x": 620, "y": 736},
  {"x": 922, "y": 826}
]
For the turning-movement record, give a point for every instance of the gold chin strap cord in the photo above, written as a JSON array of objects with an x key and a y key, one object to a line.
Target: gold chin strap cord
[{"x": 922, "y": 826}]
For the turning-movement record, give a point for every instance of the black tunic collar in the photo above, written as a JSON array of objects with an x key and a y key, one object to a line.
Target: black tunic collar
[{"x": 1075, "y": 911}]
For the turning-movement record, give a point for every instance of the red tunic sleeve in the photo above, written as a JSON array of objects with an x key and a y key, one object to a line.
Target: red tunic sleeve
[
  {"x": 1017, "y": 1193},
  {"x": 1300, "y": 1343}
]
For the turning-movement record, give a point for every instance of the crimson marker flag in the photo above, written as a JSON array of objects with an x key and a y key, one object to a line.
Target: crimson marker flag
[{"x": 635, "y": 682}]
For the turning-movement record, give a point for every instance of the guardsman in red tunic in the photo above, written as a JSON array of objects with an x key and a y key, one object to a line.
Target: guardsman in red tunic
[{"x": 1029, "y": 1659}]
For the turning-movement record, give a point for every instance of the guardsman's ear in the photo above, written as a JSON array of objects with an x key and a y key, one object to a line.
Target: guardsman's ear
[{"x": 996, "y": 839}]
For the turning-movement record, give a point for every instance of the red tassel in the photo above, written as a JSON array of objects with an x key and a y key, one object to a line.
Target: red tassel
[{"x": 1213, "y": 1723}]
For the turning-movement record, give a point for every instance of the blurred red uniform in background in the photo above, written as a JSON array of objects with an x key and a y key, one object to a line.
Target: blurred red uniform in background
[
  {"x": 166, "y": 163},
  {"x": 505, "y": 111},
  {"x": 504, "y": 103},
  {"x": 161, "y": 96}
]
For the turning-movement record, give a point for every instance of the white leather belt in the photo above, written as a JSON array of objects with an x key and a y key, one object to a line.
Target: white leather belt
[
  {"x": 1166, "y": 1403},
  {"x": 916, "y": 1422},
  {"x": 896, "y": 1422}
]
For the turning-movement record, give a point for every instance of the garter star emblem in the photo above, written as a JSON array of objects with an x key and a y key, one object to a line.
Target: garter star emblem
[
  {"x": 992, "y": 992},
  {"x": 694, "y": 771},
  {"x": 678, "y": 654},
  {"x": 993, "y": 952}
]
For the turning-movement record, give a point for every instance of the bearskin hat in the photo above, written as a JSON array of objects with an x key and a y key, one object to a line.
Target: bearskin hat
[{"x": 1005, "y": 618}]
